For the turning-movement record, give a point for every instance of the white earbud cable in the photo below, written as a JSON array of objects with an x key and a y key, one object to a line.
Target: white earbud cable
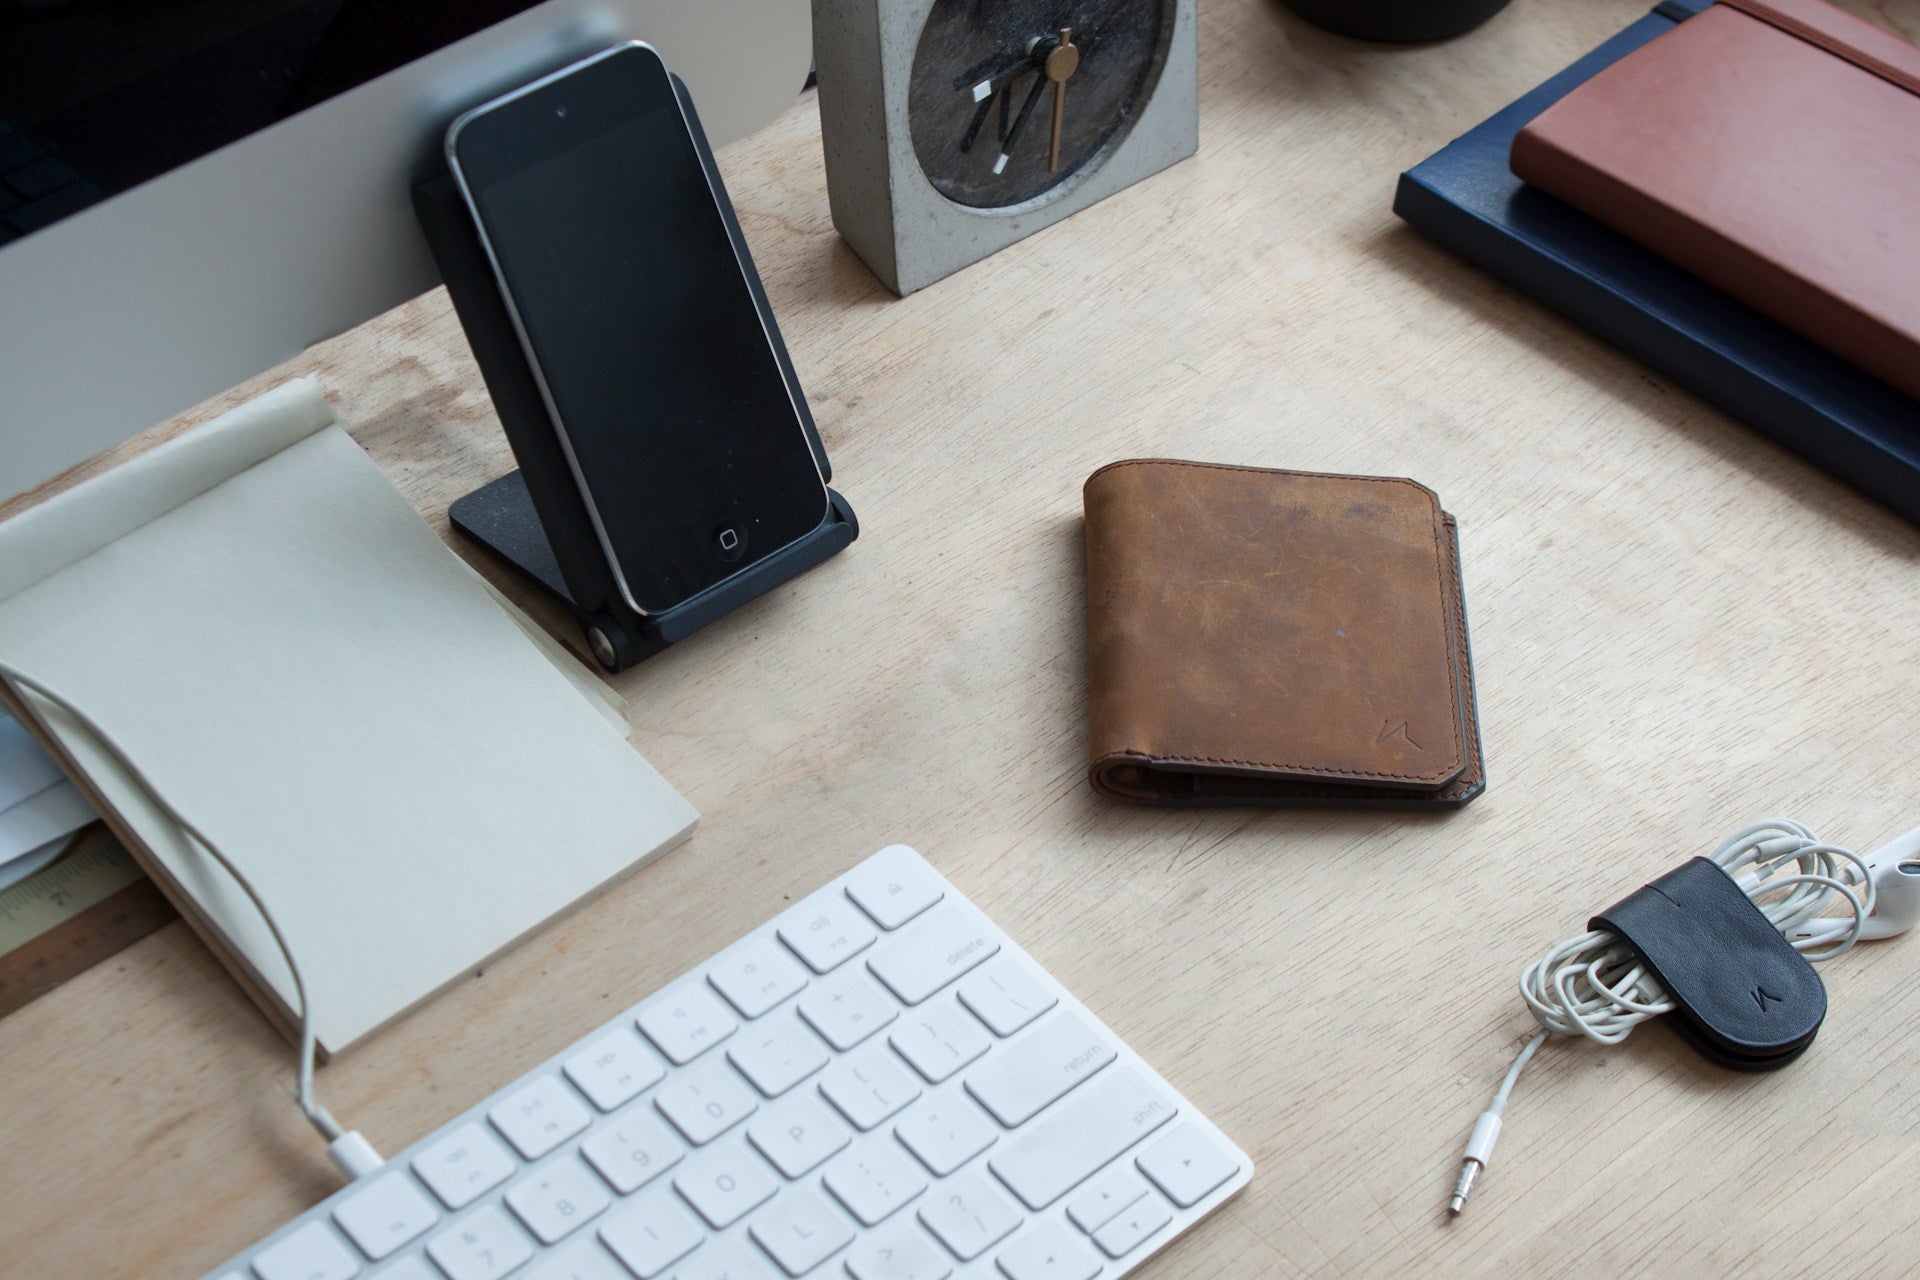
[
  {"x": 1593, "y": 985},
  {"x": 349, "y": 1150}
]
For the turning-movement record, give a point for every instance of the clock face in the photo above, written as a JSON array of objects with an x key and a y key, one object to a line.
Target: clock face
[{"x": 1002, "y": 108}]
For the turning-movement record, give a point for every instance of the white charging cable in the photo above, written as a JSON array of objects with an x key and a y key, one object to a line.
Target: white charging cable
[
  {"x": 353, "y": 1154},
  {"x": 1595, "y": 986}
]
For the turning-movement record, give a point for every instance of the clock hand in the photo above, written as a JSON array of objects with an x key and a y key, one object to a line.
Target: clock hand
[
  {"x": 983, "y": 86},
  {"x": 985, "y": 91},
  {"x": 1062, "y": 61},
  {"x": 1013, "y": 134},
  {"x": 973, "y": 130}
]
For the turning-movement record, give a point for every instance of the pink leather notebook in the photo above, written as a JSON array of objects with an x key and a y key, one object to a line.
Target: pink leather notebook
[{"x": 1771, "y": 147}]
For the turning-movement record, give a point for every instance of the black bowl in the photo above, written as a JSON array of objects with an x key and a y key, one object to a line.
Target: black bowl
[{"x": 1397, "y": 20}]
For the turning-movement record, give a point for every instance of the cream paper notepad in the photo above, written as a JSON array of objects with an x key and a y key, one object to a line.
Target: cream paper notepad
[{"x": 269, "y": 630}]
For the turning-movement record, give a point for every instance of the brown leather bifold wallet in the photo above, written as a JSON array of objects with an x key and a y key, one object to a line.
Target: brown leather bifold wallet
[{"x": 1275, "y": 637}]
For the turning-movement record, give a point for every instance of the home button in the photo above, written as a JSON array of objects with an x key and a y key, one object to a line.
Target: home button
[{"x": 729, "y": 542}]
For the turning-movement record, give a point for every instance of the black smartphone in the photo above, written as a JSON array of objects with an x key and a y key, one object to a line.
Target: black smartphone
[{"x": 657, "y": 361}]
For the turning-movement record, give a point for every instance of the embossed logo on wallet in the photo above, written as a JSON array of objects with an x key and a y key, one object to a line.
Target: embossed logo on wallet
[{"x": 1397, "y": 730}]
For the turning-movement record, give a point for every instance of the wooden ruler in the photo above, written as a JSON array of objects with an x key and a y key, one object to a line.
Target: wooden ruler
[{"x": 70, "y": 915}]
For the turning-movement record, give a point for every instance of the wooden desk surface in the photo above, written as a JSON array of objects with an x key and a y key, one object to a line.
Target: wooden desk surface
[{"x": 1677, "y": 627}]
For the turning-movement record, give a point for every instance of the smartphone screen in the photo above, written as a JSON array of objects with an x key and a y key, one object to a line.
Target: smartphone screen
[{"x": 635, "y": 311}]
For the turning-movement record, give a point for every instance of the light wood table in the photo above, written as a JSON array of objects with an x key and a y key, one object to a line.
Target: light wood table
[{"x": 1677, "y": 627}]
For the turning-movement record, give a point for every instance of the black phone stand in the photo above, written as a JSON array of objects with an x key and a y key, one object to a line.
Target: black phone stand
[{"x": 535, "y": 517}]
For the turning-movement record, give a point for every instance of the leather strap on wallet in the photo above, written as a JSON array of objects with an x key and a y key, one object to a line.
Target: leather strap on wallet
[{"x": 1275, "y": 637}]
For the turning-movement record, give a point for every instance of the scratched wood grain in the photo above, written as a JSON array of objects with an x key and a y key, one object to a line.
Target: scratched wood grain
[{"x": 1677, "y": 626}]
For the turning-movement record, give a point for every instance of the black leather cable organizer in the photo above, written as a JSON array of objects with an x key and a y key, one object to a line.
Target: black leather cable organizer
[{"x": 1744, "y": 997}]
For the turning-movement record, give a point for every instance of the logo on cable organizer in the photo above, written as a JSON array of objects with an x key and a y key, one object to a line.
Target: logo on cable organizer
[{"x": 1761, "y": 996}]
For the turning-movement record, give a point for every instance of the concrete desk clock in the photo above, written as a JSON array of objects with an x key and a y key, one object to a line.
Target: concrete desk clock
[{"x": 955, "y": 127}]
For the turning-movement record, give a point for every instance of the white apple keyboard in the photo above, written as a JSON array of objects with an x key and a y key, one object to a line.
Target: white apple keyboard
[{"x": 876, "y": 1084}]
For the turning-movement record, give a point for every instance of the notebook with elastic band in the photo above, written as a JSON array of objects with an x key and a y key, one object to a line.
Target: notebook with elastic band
[
  {"x": 1275, "y": 637},
  {"x": 1771, "y": 148}
]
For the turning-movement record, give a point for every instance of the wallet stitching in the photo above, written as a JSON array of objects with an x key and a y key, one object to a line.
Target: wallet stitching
[
  {"x": 1442, "y": 562},
  {"x": 1262, "y": 764},
  {"x": 1265, "y": 471}
]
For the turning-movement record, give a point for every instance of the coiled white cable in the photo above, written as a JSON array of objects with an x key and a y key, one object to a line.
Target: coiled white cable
[
  {"x": 1594, "y": 986},
  {"x": 351, "y": 1152}
]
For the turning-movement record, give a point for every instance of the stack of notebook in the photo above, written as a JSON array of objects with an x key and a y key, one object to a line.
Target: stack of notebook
[
  {"x": 39, "y": 808},
  {"x": 1818, "y": 401},
  {"x": 411, "y": 776}
]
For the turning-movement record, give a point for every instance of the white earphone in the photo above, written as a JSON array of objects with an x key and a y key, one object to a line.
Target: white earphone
[{"x": 1891, "y": 902}]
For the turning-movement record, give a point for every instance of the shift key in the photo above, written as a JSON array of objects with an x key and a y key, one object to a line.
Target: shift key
[{"x": 1078, "y": 1137}]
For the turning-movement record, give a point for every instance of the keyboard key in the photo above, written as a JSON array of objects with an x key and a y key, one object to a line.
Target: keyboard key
[
  {"x": 940, "y": 946},
  {"x": 308, "y": 1253},
  {"x": 412, "y": 1268},
  {"x": 587, "y": 1260},
  {"x": 1006, "y": 997},
  {"x": 614, "y": 1069},
  {"x": 723, "y": 1184},
  {"x": 899, "y": 1252},
  {"x": 731, "y": 1260},
  {"x": 1097, "y": 1203},
  {"x": 383, "y": 1213},
  {"x": 484, "y": 1245},
  {"x": 1048, "y": 1252},
  {"x": 17, "y": 149},
  {"x": 869, "y": 1087},
  {"x": 1131, "y": 1228},
  {"x": 1186, "y": 1164},
  {"x": 464, "y": 1164},
  {"x": 652, "y": 1233},
  {"x": 776, "y": 1055},
  {"x": 798, "y": 1135},
  {"x": 847, "y": 1009},
  {"x": 893, "y": 886},
  {"x": 557, "y": 1200},
  {"x": 756, "y": 977},
  {"x": 872, "y": 1183},
  {"x": 539, "y": 1117},
  {"x": 939, "y": 1038},
  {"x": 801, "y": 1231},
  {"x": 49, "y": 209},
  {"x": 705, "y": 1102},
  {"x": 40, "y": 177},
  {"x": 945, "y": 1133},
  {"x": 969, "y": 1215},
  {"x": 1044, "y": 1064},
  {"x": 686, "y": 1022},
  {"x": 826, "y": 931},
  {"x": 631, "y": 1151},
  {"x": 1077, "y": 1137}
]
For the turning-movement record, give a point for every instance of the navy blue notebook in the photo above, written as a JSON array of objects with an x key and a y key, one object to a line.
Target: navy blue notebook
[{"x": 1466, "y": 197}]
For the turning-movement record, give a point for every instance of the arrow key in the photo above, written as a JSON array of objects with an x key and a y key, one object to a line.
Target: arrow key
[
  {"x": 1098, "y": 1202},
  {"x": 1132, "y": 1228},
  {"x": 1186, "y": 1164},
  {"x": 1049, "y": 1252}
]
